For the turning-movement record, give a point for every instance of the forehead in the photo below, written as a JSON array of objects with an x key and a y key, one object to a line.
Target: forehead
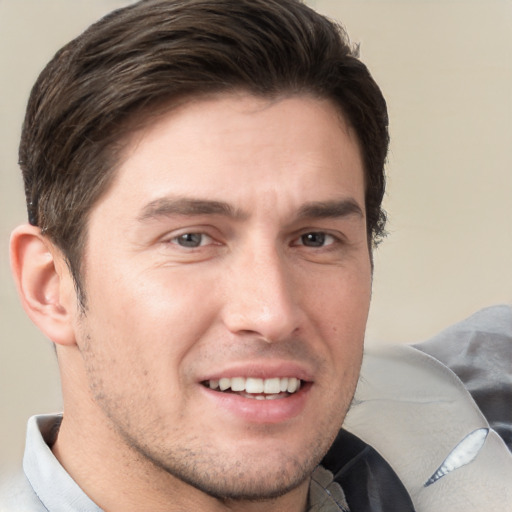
[{"x": 232, "y": 144}]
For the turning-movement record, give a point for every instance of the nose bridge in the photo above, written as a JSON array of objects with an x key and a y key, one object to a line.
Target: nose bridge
[{"x": 261, "y": 297}]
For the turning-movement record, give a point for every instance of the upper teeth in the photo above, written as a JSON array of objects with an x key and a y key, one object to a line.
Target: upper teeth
[{"x": 255, "y": 386}]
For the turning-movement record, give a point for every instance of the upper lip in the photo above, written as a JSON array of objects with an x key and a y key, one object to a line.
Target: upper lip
[{"x": 262, "y": 370}]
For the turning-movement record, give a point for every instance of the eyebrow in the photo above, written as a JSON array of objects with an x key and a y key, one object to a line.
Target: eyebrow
[
  {"x": 331, "y": 209},
  {"x": 166, "y": 206}
]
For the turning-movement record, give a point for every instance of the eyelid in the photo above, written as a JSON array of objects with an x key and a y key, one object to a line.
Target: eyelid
[
  {"x": 337, "y": 237},
  {"x": 175, "y": 239},
  {"x": 172, "y": 236}
]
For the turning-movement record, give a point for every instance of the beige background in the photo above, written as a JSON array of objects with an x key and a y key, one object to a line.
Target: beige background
[{"x": 445, "y": 67}]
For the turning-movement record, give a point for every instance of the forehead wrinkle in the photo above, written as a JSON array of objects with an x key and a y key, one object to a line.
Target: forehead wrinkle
[
  {"x": 168, "y": 206},
  {"x": 331, "y": 209}
]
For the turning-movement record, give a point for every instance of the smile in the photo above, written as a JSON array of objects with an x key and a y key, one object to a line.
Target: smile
[{"x": 255, "y": 388}]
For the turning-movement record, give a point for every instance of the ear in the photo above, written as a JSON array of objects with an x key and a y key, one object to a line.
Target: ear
[{"x": 44, "y": 283}]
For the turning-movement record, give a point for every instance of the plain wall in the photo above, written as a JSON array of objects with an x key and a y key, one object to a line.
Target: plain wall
[{"x": 445, "y": 67}]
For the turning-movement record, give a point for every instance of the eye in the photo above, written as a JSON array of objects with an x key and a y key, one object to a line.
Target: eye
[
  {"x": 192, "y": 240},
  {"x": 316, "y": 239}
]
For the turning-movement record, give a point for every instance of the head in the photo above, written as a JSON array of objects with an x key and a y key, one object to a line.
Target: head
[
  {"x": 207, "y": 177},
  {"x": 153, "y": 55}
]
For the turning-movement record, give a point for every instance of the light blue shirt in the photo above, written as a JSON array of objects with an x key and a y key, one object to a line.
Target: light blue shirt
[{"x": 44, "y": 484}]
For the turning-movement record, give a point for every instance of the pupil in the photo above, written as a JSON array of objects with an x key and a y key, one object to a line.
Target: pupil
[
  {"x": 190, "y": 240},
  {"x": 314, "y": 239}
]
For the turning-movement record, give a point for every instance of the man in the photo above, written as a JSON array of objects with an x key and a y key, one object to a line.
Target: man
[
  {"x": 200, "y": 178},
  {"x": 204, "y": 183}
]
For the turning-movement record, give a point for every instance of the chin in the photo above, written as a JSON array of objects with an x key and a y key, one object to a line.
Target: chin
[
  {"x": 255, "y": 472},
  {"x": 246, "y": 483}
]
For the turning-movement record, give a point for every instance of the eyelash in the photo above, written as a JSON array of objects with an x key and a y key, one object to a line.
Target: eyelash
[
  {"x": 323, "y": 235},
  {"x": 176, "y": 240},
  {"x": 299, "y": 241}
]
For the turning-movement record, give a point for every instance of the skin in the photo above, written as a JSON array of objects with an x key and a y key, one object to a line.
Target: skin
[{"x": 273, "y": 287}]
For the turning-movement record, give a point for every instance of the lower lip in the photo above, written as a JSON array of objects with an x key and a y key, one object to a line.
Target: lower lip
[{"x": 261, "y": 411}]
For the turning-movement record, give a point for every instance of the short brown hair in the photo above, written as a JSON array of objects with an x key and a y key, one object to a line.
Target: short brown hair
[{"x": 155, "y": 52}]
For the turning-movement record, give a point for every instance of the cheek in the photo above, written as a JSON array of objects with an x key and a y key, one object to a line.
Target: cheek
[
  {"x": 151, "y": 298},
  {"x": 148, "y": 322},
  {"x": 340, "y": 313},
  {"x": 342, "y": 299}
]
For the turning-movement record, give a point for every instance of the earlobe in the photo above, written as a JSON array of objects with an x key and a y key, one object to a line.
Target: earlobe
[{"x": 44, "y": 283}]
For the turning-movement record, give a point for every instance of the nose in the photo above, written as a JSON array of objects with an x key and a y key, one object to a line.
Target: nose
[{"x": 261, "y": 296}]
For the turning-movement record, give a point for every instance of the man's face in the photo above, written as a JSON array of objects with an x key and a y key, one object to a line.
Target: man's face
[{"x": 229, "y": 261}]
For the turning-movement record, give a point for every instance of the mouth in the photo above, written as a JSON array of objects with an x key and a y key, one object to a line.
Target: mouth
[{"x": 256, "y": 388}]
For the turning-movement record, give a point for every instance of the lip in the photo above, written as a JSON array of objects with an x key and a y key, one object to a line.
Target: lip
[
  {"x": 254, "y": 411},
  {"x": 265, "y": 370}
]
